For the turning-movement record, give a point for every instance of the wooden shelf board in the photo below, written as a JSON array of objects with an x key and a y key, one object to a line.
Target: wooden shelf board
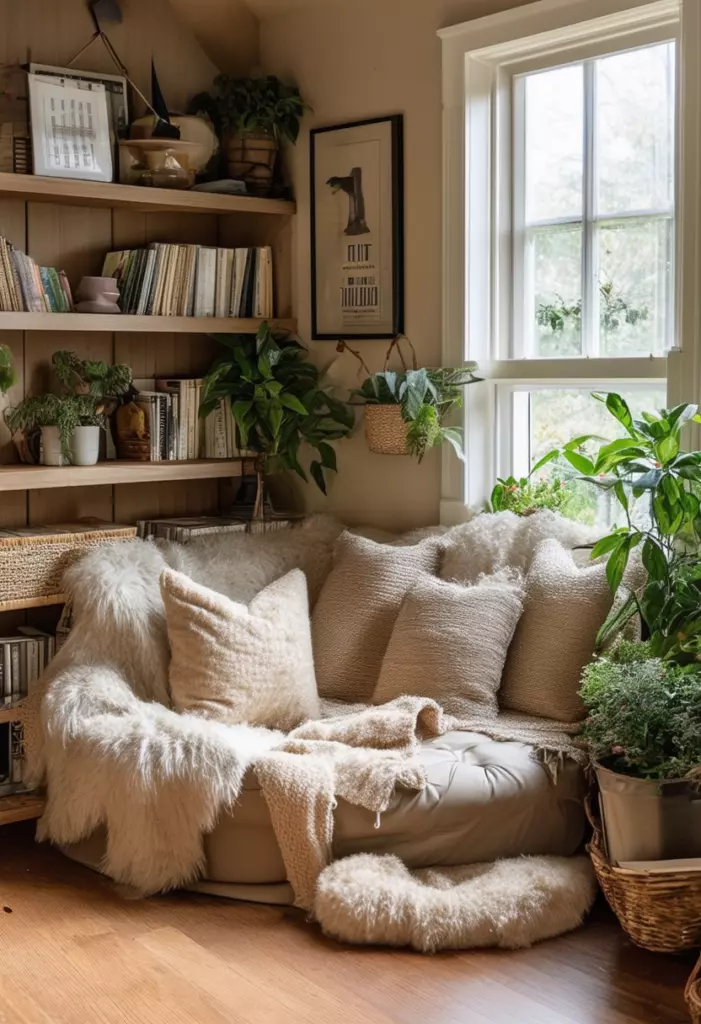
[
  {"x": 116, "y": 322},
  {"x": 20, "y": 807},
  {"x": 9, "y": 715},
  {"x": 146, "y": 200},
  {"x": 31, "y": 602},
  {"x": 22, "y": 478}
]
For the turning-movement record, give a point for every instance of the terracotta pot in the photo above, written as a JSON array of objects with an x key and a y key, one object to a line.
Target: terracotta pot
[
  {"x": 646, "y": 819},
  {"x": 251, "y": 158}
]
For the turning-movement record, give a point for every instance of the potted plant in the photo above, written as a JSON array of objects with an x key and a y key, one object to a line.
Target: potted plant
[
  {"x": 405, "y": 411},
  {"x": 252, "y": 115},
  {"x": 524, "y": 497},
  {"x": 279, "y": 405},
  {"x": 70, "y": 423},
  {"x": 645, "y": 704}
]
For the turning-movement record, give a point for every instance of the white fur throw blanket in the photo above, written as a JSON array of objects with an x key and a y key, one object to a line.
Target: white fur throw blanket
[{"x": 100, "y": 734}]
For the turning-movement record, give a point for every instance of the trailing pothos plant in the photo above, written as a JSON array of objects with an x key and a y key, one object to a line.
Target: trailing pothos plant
[
  {"x": 648, "y": 466},
  {"x": 278, "y": 402},
  {"x": 425, "y": 397}
]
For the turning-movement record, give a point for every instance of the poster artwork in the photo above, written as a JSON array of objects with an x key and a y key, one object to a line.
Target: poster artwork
[{"x": 360, "y": 256}]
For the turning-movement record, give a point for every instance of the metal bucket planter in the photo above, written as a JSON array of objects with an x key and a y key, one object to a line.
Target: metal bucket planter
[
  {"x": 649, "y": 820},
  {"x": 251, "y": 158},
  {"x": 385, "y": 430}
]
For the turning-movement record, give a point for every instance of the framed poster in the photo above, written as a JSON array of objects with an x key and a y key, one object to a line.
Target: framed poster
[{"x": 357, "y": 230}]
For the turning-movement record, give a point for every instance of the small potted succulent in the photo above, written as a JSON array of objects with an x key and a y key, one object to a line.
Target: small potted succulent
[
  {"x": 70, "y": 423},
  {"x": 253, "y": 116},
  {"x": 644, "y": 700}
]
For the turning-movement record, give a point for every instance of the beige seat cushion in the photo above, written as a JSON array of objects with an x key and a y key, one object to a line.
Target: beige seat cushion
[
  {"x": 564, "y": 608},
  {"x": 241, "y": 664},
  {"x": 450, "y": 643},
  {"x": 357, "y": 609}
]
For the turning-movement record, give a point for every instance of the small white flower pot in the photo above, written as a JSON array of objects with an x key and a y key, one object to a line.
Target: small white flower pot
[
  {"x": 51, "y": 447},
  {"x": 85, "y": 446}
]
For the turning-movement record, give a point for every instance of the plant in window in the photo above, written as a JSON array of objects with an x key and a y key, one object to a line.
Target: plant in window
[
  {"x": 279, "y": 404},
  {"x": 524, "y": 496},
  {"x": 614, "y": 311},
  {"x": 649, "y": 465}
]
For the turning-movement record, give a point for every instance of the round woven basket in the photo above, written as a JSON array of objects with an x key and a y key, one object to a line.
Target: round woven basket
[
  {"x": 693, "y": 994},
  {"x": 660, "y": 910},
  {"x": 385, "y": 430}
]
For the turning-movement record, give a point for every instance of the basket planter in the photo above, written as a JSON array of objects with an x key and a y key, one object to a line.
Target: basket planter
[
  {"x": 693, "y": 994},
  {"x": 385, "y": 430},
  {"x": 251, "y": 158},
  {"x": 33, "y": 560},
  {"x": 648, "y": 819},
  {"x": 659, "y": 910}
]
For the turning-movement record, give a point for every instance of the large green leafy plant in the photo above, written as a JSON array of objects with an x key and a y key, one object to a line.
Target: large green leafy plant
[
  {"x": 656, "y": 486},
  {"x": 278, "y": 401},
  {"x": 644, "y": 714},
  {"x": 253, "y": 105},
  {"x": 425, "y": 397}
]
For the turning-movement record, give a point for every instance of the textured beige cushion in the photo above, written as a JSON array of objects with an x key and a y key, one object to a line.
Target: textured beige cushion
[
  {"x": 563, "y": 611},
  {"x": 357, "y": 608},
  {"x": 241, "y": 664},
  {"x": 450, "y": 643}
]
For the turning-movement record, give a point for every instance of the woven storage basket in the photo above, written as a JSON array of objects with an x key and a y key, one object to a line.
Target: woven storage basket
[
  {"x": 32, "y": 564},
  {"x": 693, "y": 994},
  {"x": 660, "y": 910},
  {"x": 385, "y": 430}
]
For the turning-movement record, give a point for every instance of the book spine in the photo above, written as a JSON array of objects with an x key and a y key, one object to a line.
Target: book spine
[
  {"x": 16, "y": 662},
  {"x": 16, "y": 752},
  {"x": 7, "y": 672}
]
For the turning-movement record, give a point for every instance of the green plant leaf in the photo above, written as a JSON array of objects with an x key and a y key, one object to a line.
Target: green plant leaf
[
  {"x": 241, "y": 411},
  {"x": 618, "y": 560},
  {"x": 667, "y": 449},
  {"x": 328, "y": 455},
  {"x": 654, "y": 560},
  {"x": 606, "y": 544},
  {"x": 291, "y": 402},
  {"x": 580, "y": 462},
  {"x": 317, "y": 474},
  {"x": 549, "y": 457}
]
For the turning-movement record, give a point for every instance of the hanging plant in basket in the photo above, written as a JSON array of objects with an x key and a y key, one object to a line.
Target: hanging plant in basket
[{"x": 405, "y": 411}]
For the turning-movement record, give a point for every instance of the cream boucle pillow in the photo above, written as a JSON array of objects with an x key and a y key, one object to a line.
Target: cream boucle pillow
[
  {"x": 450, "y": 643},
  {"x": 357, "y": 608},
  {"x": 563, "y": 610},
  {"x": 241, "y": 664}
]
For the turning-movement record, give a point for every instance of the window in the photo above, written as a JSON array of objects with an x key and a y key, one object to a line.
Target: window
[{"x": 561, "y": 223}]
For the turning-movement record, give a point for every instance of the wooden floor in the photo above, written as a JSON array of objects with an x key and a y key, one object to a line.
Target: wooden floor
[{"x": 74, "y": 950}]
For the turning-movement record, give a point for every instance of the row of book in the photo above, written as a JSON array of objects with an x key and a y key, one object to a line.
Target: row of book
[
  {"x": 171, "y": 411},
  {"x": 186, "y": 529},
  {"x": 193, "y": 280},
  {"x": 23, "y": 659},
  {"x": 25, "y": 287}
]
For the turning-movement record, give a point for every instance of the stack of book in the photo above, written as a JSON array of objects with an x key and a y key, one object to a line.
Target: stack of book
[
  {"x": 26, "y": 287},
  {"x": 176, "y": 431},
  {"x": 23, "y": 659},
  {"x": 193, "y": 280},
  {"x": 184, "y": 530}
]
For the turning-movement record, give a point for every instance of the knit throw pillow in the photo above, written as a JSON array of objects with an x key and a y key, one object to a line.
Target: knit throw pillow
[
  {"x": 563, "y": 610},
  {"x": 450, "y": 643},
  {"x": 239, "y": 663},
  {"x": 357, "y": 609}
]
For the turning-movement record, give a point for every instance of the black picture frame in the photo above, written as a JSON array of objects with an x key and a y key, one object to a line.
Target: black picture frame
[{"x": 396, "y": 171}]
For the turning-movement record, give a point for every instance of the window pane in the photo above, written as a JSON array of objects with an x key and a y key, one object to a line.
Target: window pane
[
  {"x": 635, "y": 129},
  {"x": 557, "y": 415},
  {"x": 557, "y": 287},
  {"x": 554, "y": 141},
  {"x": 635, "y": 286}
]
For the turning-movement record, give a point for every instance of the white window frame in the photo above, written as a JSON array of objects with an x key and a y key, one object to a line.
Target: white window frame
[{"x": 475, "y": 58}]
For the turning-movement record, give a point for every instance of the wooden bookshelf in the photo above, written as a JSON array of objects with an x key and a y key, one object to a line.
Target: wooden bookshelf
[
  {"x": 36, "y": 189},
  {"x": 116, "y": 322},
  {"x": 23, "y": 478},
  {"x": 20, "y": 807}
]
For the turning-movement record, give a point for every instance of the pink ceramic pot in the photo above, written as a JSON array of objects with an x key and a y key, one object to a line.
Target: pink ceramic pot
[{"x": 97, "y": 295}]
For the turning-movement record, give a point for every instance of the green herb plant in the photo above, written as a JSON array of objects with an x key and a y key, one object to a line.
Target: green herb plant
[
  {"x": 253, "y": 105},
  {"x": 649, "y": 466},
  {"x": 425, "y": 398},
  {"x": 525, "y": 496},
  {"x": 644, "y": 714},
  {"x": 63, "y": 411},
  {"x": 91, "y": 377},
  {"x": 278, "y": 402}
]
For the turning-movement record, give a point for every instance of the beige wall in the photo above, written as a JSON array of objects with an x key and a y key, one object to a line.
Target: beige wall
[{"x": 356, "y": 60}]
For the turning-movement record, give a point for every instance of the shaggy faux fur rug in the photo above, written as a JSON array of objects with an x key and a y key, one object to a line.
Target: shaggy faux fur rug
[
  {"x": 100, "y": 733},
  {"x": 370, "y": 899}
]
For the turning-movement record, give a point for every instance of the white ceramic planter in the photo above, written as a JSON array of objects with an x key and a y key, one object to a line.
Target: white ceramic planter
[
  {"x": 85, "y": 446},
  {"x": 51, "y": 447}
]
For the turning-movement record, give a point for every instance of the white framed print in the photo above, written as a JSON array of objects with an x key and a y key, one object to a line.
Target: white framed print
[
  {"x": 357, "y": 243},
  {"x": 70, "y": 129}
]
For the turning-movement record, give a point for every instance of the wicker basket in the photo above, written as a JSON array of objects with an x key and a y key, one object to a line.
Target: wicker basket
[
  {"x": 33, "y": 560},
  {"x": 693, "y": 994},
  {"x": 660, "y": 910},
  {"x": 385, "y": 430}
]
